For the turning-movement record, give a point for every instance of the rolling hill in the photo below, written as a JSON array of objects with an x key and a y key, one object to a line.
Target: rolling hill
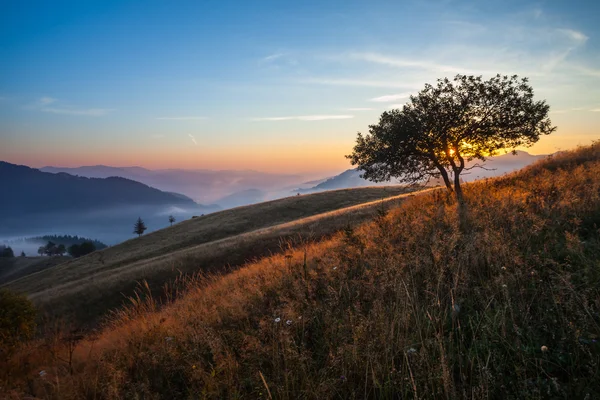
[{"x": 87, "y": 287}]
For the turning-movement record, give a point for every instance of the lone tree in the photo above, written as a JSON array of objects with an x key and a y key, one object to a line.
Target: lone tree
[
  {"x": 171, "y": 219},
  {"x": 139, "y": 227},
  {"x": 445, "y": 126}
]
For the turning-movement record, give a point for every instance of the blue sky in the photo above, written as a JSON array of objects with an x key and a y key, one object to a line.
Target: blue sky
[{"x": 268, "y": 85}]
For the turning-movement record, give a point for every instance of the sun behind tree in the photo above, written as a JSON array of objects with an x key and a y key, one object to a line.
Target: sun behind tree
[
  {"x": 139, "y": 227},
  {"x": 443, "y": 127}
]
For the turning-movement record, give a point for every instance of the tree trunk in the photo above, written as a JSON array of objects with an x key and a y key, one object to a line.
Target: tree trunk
[
  {"x": 457, "y": 188},
  {"x": 463, "y": 220},
  {"x": 446, "y": 178}
]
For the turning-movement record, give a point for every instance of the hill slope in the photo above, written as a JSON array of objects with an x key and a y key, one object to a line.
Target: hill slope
[
  {"x": 406, "y": 306},
  {"x": 210, "y": 242}
]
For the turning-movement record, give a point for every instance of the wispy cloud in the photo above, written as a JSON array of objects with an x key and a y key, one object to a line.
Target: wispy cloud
[
  {"x": 90, "y": 112},
  {"x": 180, "y": 118},
  {"x": 193, "y": 139},
  {"x": 54, "y": 106},
  {"x": 358, "y": 109},
  {"x": 305, "y": 118},
  {"x": 595, "y": 110},
  {"x": 271, "y": 57},
  {"x": 391, "y": 97},
  {"x": 574, "y": 35},
  {"x": 47, "y": 100},
  {"x": 412, "y": 63}
]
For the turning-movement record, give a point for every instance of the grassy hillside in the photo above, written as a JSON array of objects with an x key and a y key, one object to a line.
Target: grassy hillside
[
  {"x": 17, "y": 267},
  {"x": 404, "y": 306},
  {"x": 85, "y": 288}
]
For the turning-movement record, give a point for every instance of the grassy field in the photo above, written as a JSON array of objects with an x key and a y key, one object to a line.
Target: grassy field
[
  {"x": 404, "y": 306},
  {"x": 17, "y": 267},
  {"x": 83, "y": 289}
]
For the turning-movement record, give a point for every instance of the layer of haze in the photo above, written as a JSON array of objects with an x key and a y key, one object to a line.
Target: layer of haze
[{"x": 273, "y": 86}]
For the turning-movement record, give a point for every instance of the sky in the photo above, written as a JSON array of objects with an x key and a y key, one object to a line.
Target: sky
[{"x": 268, "y": 85}]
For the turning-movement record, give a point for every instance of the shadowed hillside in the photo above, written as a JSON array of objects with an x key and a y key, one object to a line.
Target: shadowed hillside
[
  {"x": 405, "y": 306},
  {"x": 88, "y": 286}
]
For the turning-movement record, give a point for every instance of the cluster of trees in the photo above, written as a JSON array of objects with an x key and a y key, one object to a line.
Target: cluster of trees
[
  {"x": 75, "y": 250},
  {"x": 67, "y": 240},
  {"x": 78, "y": 250},
  {"x": 6, "y": 251},
  {"x": 52, "y": 249}
]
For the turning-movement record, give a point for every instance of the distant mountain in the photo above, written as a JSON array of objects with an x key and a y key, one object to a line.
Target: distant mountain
[
  {"x": 495, "y": 166},
  {"x": 28, "y": 190},
  {"x": 36, "y": 203},
  {"x": 204, "y": 186}
]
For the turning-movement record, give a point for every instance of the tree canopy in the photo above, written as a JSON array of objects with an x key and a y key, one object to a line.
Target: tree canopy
[
  {"x": 6, "y": 251},
  {"x": 78, "y": 250},
  {"x": 447, "y": 125}
]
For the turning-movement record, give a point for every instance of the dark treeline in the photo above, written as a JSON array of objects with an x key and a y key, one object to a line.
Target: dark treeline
[{"x": 66, "y": 240}]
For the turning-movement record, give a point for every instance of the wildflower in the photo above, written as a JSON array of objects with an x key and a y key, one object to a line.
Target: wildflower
[
  {"x": 288, "y": 322},
  {"x": 42, "y": 373},
  {"x": 168, "y": 338},
  {"x": 411, "y": 350},
  {"x": 544, "y": 349},
  {"x": 504, "y": 285},
  {"x": 503, "y": 268},
  {"x": 343, "y": 378},
  {"x": 334, "y": 268},
  {"x": 277, "y": 320},
  {"x": 193, "y": 367}
]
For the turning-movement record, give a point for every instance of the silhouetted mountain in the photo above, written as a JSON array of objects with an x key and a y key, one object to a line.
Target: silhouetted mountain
[
  {"x": 28, "y": 190},
  {"x": 495, "y": 166},
  {"x": 203, "y": 186}
]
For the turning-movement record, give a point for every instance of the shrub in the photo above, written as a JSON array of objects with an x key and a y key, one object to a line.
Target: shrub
[{"x": 17, "y": 318}]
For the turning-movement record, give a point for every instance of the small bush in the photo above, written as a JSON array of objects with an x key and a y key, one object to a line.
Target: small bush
[{"x": 17, "y": 319}]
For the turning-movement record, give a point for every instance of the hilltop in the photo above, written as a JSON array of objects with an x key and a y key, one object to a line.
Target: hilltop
[{"x": 405, "y": 305}]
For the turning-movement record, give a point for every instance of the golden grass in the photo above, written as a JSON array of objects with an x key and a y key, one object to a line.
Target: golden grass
[
  {"x": 85, "y": 288},
  {"x": 404, "y": 306}
]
